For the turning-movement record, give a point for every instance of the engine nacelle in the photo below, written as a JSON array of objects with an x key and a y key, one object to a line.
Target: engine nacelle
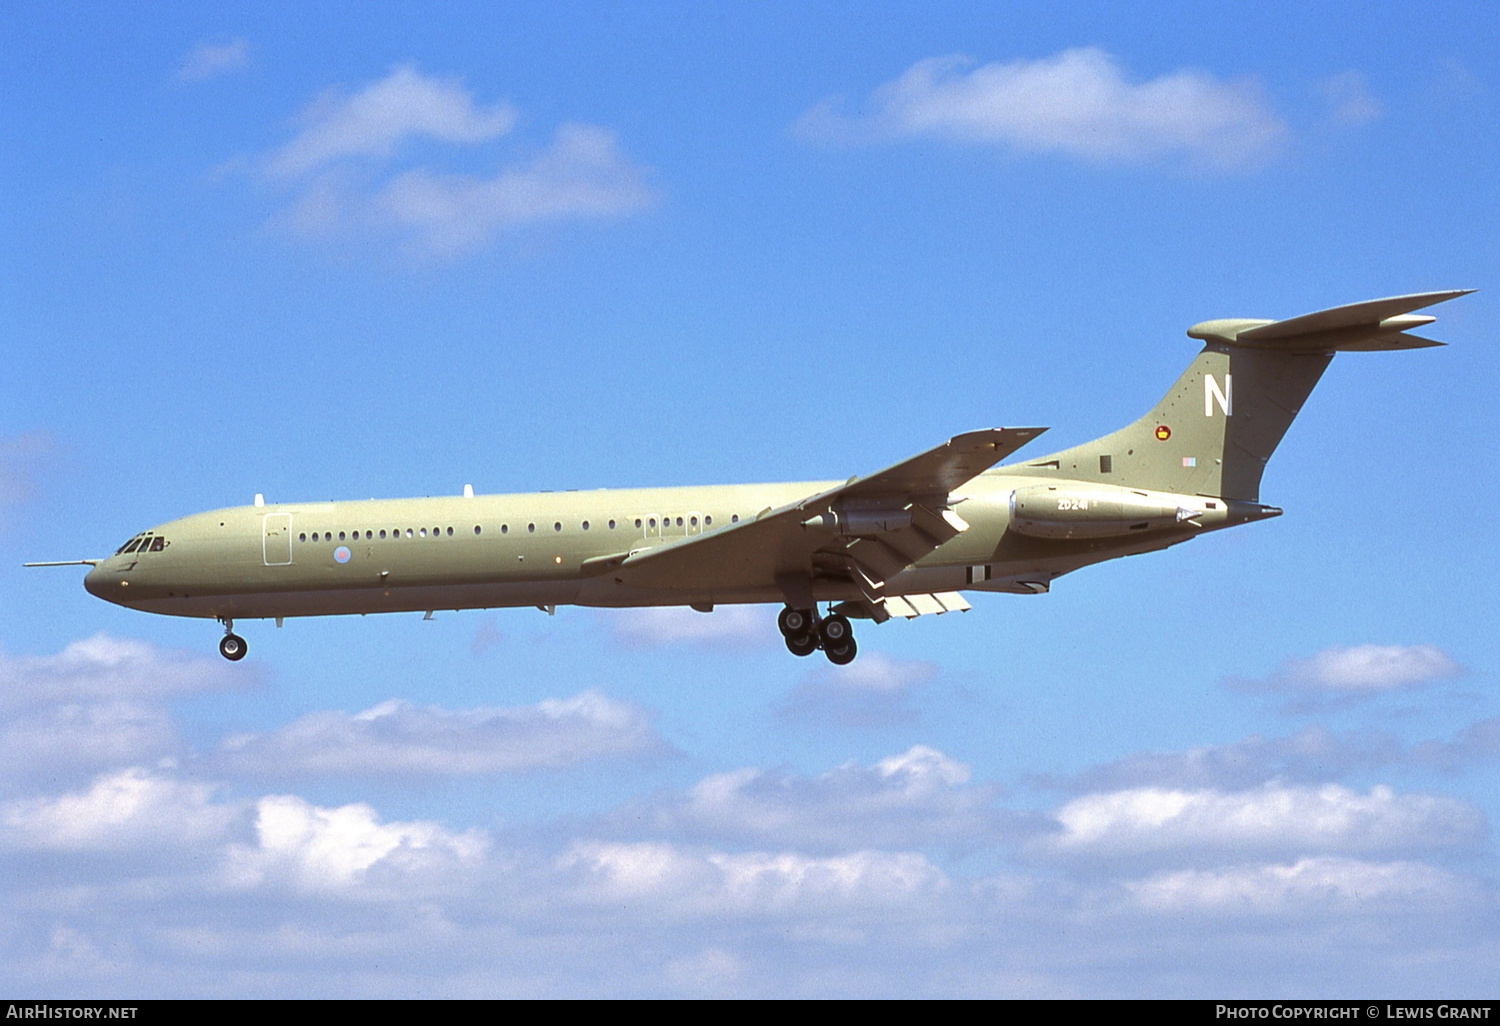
[{"x": 1105, "y": 511}]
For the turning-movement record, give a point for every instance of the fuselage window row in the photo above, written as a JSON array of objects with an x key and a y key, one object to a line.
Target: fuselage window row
[{"x": 156, "y": 544}]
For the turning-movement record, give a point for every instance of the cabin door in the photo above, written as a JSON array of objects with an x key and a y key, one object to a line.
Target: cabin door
[{"x": 276, "y": 547}]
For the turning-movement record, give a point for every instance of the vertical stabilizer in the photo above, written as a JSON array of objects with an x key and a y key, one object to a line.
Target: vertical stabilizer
[{"x": 1213, "y": 432}]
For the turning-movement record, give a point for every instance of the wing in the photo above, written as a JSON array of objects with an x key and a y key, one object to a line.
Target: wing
[{"x": 867, "y": 529}]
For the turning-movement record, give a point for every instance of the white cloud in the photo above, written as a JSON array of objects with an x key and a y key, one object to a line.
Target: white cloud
[
  {"x": 1355, "y": 673},
  {"x": 1269, "y": 818},
  {"x": 398, "y": 738},
  {"x": 99, "y": 703},
  {"x": 918, "y": 797},
  {"x": 727, "y": 627},
  {"x": 321, "y": 849},
  {"x": 1349, "y": 99},
  {"x": 581, "y": 175},
  {"x": 1309, "y": 886},
  {"x": 695, "y": 882},
  {"x": 1079, "y": 103},
  {"x": 874, "y": 690},
  {"x": 356, "y": 167},
  {"x": 404, "y": 106},
  {"x": 79, "y": 735},
  {"x": 129, "y": 809},
  {"x": 107, "y": 669},
  {"x": 210, "y": 60}
]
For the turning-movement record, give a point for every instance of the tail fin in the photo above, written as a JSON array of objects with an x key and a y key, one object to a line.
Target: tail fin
[{"x": 1213, "y": 432}]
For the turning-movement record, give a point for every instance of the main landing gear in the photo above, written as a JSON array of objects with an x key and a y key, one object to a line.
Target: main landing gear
[
  {"x": 231, "y": 646},
  {"x": 805, "y": 633}
]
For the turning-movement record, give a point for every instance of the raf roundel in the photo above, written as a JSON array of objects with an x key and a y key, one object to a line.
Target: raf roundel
[
  {"x": 1163, "y": 432},
  {"x": 341, "y": 554}
]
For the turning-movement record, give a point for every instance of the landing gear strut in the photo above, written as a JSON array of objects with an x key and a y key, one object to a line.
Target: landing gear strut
[
  {"x": 805, "y": 633},
  {"x": 231, "y": 646}
]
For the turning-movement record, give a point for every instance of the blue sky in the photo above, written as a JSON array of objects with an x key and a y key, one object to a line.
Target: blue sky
[{"x": 340, "y": 251}]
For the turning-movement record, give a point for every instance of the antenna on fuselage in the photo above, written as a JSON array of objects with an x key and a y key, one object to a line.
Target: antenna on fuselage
[
  {"x": 468, "y": 491},
  {"x": 260, "y": 500}
]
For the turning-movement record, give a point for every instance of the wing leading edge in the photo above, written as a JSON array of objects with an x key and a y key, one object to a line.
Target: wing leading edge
[{"x": 865, "y": 530}]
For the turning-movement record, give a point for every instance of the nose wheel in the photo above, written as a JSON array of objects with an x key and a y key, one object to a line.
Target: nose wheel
[
  {"x": 805, "y": 633},
  {"x": 231, "y": 646}
]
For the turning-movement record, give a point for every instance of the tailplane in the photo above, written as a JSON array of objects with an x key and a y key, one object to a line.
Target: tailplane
[{"x": 1213, "y": 432}]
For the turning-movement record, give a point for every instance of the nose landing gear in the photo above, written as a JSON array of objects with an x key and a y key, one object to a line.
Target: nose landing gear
[
  {"x": 231, "y": 646},
  {"x": 805, "y": 633}
]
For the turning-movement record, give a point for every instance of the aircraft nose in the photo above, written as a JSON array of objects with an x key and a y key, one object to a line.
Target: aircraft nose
[{"x": 93, "y": 582}]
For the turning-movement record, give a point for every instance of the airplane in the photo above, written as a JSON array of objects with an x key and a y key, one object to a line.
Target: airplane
[{"x": 904, "y": 542}]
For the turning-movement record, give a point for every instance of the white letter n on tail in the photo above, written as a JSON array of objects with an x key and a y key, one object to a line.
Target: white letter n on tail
[{"x": 1212, "y": 394}]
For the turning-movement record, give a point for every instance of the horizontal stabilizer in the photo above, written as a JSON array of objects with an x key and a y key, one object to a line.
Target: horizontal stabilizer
[{"x": 1376, "y": 325}]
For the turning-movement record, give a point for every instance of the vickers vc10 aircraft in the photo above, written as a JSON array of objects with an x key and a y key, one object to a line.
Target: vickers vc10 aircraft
[{"x": 906, "y": 541}]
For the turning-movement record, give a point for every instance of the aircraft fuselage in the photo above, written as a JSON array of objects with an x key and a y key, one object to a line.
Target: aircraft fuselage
[{"x": 533, "y": 549}]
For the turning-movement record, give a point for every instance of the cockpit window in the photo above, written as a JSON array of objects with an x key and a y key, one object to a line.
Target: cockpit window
[{"x": 143, "y": 543}]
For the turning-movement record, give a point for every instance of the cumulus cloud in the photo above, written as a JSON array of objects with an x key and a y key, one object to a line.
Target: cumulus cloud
[
  {"x": 362, "y": 162},
  {"x": 727, "y": 627},
  {"x": 128, "y": 809},
  {"x": 104, "y": 668},
  {"x": 1339, "y": 675},
  {"x": 98, "y": 703},
  {"x": 873, "y": 691},
  {"x": 918, "y": 797},
  {"x": 1310, "y": 886},
  {"x": 321, "y": 849},
  {"x": 210, "y": 60},
  {"x": 1275, "y": 817},
  {"x": 398, "y": 738},
  {"x": 1078, "y": 103}
]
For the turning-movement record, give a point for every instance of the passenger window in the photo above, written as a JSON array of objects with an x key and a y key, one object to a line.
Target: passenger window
[
  {"x": 408, "y": 532},
  {"x": 476, "y": 528},
  {"x": 302, "y": 537},
  {"x": 382, "y": 534},
  {"x": 531, "y": 529},
  {"x": 734, "y": 519},
  {"x": 557, "y": 526},
  {"x": 450, "y": 532},
  {"x": 505, "y": 529},
  {"x": 341, "y": 536},
  {"x": 707, "y": 521},
  {"x": 611, "y": 525},
  {"x": 585, "y": 525},
  {"x": 679, "y": 521}
]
